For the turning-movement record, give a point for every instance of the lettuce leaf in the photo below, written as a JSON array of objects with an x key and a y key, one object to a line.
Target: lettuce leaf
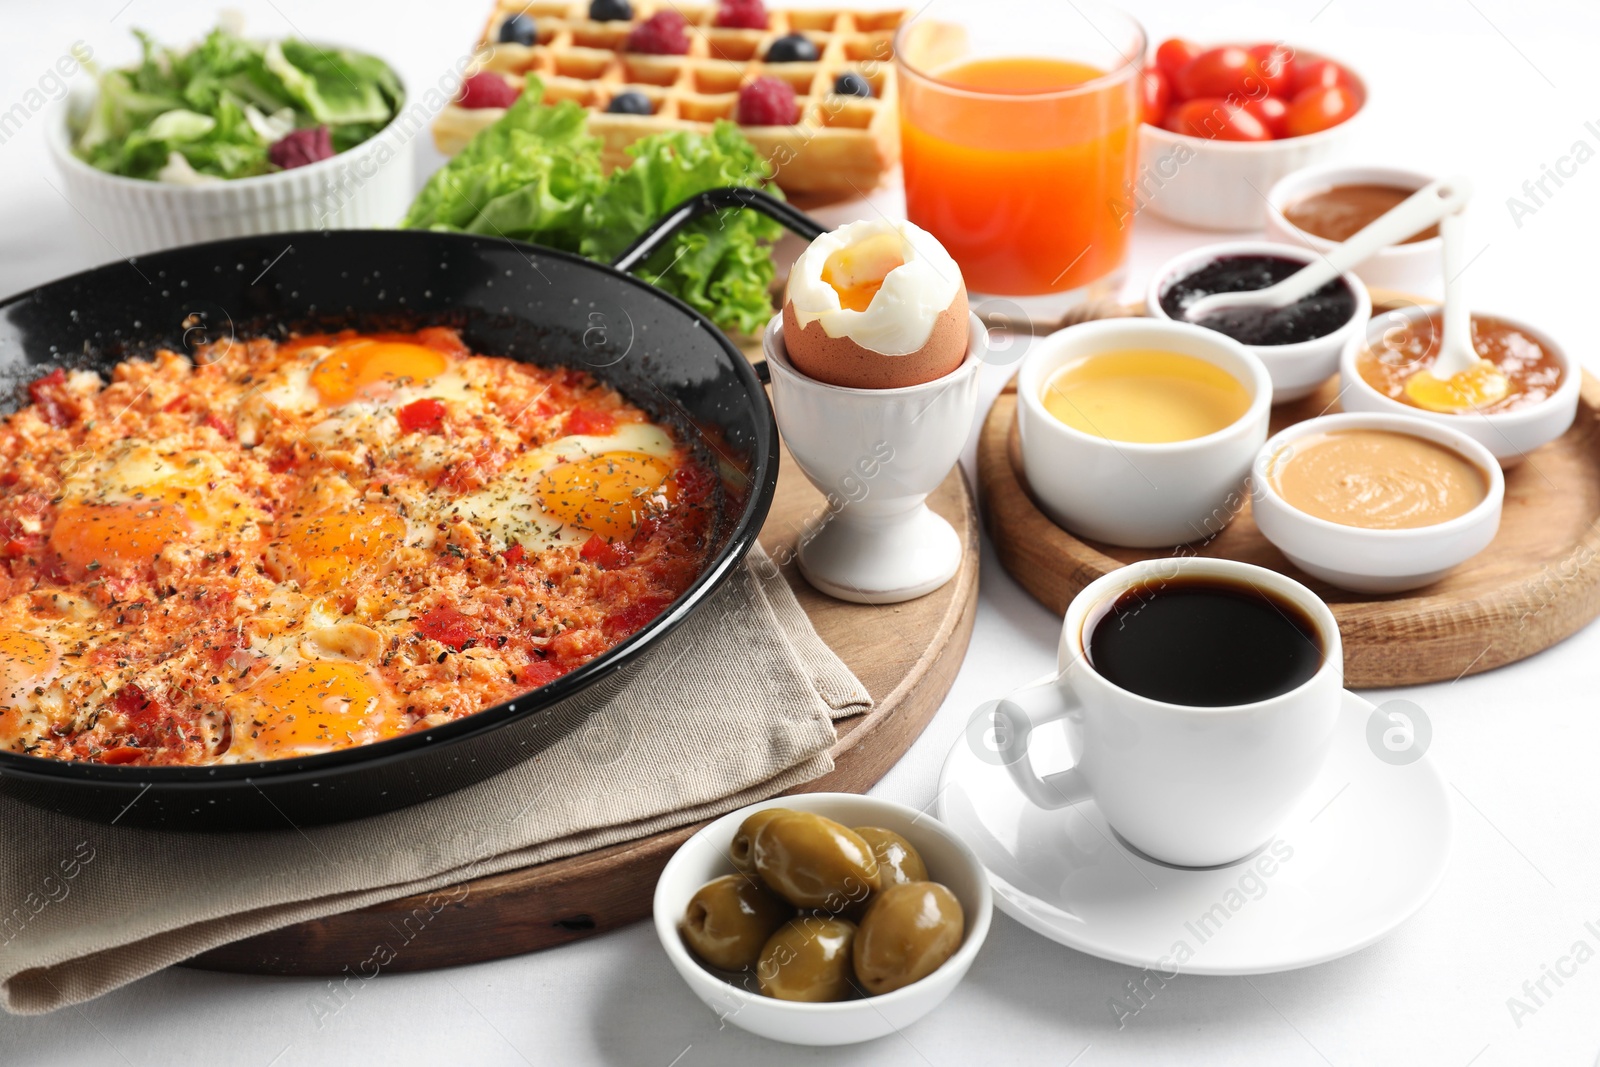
[
  {"x": 722, "y": 266},
  {"x": 535, "y": 175},
  {"x": 527, "y": 177}
]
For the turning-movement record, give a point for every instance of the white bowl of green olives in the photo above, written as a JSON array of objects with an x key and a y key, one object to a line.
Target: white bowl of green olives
[{"x": 823, "y": 918}]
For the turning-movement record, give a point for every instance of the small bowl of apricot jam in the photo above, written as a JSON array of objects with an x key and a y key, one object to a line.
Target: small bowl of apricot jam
[{"x": 1539, "y": 406}]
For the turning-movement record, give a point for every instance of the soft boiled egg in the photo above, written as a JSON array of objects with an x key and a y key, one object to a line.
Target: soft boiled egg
[
  {"x": 564, "y": 492},
  {"x": 123, "y": 509},
  {"x": 875, "y": 305}
]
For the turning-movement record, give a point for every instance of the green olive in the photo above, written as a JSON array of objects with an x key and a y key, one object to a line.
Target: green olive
[
  {"x": 730, "y": 918},
  {"x": 813, "y": 862},
  {"x": 907, "y": 933},
  {"x": 897, "y": 860},
  {"x": 808, "y": 959},
  {"x": 741, "y": 850}
]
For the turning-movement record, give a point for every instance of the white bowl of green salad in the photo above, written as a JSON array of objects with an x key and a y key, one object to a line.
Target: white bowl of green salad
[{"x": 233, "y": 136}]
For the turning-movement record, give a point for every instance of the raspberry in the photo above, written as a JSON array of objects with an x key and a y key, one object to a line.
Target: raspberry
[
  {"x": 742, "y": 15},
  {"x": 662, "y": 34},
  {"x": 486, "y": 89},
  {"x": 299, "y": 147},
  {"x": 767, "y": 101}
]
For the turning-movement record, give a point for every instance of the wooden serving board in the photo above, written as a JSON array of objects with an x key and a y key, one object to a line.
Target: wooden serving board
[
  {"x": 1537, "y": 583},
  {"x": 906, "y": 655}
]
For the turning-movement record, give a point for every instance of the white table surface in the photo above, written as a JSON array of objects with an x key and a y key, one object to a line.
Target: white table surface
[{"x": 1498, "y": 88}]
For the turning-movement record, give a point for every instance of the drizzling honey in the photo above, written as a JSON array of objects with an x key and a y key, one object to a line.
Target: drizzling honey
[{"x": 857, "y": 273}]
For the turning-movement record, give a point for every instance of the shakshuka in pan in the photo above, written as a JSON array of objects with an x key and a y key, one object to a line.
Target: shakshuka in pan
[{"x": 285, "y": 547}]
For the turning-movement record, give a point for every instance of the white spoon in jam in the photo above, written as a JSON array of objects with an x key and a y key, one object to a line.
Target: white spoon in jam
[
  {"x": 1458, "y": 379},
  {"x": 1428, "y": 205}
]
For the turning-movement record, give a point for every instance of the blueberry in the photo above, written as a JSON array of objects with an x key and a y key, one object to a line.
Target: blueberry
[
  {"x": 793, "y": 48},
  {"x": 518, "y": 29},
  {"x": 610, "y": 10},
  {"x": 851, "y": 84},
  {"x": 630, "y": 103}
]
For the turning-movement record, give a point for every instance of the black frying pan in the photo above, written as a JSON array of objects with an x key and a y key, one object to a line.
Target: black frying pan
[{"x": 515, "y": 300}]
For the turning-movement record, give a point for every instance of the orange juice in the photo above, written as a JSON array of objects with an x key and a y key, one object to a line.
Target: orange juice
[{"x": 1019, "y": 165}]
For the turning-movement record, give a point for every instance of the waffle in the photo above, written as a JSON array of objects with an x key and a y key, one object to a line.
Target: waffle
[{"x": 841, "y": 146}]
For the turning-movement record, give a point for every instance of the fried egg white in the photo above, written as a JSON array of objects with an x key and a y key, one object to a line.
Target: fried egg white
[
  {"x": 318, "y": 690},
  {"x": 124, "y": 508},
  {"x": 575, "y": 487},
  {"x": 359, "y": 384}
]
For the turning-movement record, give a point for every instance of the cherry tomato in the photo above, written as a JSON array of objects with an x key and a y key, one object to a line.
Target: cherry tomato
[
  {"x": 1175, "y": 54},
  {"x": 1319, "y": 109},
  {"x": 1225, "y": 71},
  {"x": 1157, "y": 95},
  {"x": 1277, "y": 67},
  {"x": 1319, "y": 74},
  {"x": 1214, "y": 119},
  {"x": 1273, "y": 113}
]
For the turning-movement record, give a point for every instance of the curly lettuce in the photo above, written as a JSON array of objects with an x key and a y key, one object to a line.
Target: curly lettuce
[
  {"x": 535, "y": 175},
  {"x": 528, "y": 177}
]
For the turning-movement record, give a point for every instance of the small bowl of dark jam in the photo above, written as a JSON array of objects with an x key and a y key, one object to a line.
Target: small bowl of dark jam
[
  {"x": 1300, "y": 344},
  {"x": 1544, "y": 382}
]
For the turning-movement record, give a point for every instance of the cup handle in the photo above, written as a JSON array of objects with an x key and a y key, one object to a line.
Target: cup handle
[{"x": 1018, "y": 715}]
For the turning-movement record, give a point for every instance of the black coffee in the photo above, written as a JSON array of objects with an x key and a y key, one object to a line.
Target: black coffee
[{"x": 1203, "y": 642}]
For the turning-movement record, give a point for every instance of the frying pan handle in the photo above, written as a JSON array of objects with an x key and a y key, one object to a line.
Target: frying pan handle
[{"x": 710, "y": 202}]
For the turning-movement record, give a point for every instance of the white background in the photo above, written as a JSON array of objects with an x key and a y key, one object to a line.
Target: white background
[{"x": 1493, "y": 87}]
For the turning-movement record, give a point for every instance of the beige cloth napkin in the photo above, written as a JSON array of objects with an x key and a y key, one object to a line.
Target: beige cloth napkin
[{"x": 735, "y": 706}]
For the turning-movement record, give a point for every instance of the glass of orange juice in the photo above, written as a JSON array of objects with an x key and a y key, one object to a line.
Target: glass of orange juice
[{"x": 1019, "y": 144}]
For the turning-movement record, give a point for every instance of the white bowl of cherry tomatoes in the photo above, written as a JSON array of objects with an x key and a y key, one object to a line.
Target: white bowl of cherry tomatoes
[{"x": 1222, "y": 124}]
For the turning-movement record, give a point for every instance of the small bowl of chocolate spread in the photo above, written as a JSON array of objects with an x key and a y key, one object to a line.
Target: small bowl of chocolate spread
[{"x": 1318, "y": 207}]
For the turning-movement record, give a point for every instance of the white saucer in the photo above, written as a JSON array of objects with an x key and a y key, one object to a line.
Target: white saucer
[{"x": 1364, "y": 850}]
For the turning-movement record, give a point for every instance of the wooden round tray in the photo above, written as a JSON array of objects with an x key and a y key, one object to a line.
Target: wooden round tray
[
  {"x": 906, "y": 655},
  {"x": 1537, "y": 583}
]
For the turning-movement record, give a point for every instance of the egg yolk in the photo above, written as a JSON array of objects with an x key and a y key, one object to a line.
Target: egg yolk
[
  {"x": 25, "y": 663},
  {"x": 326, "y": 547},
  {"x": 312, "y": 708},
  {"x": 355, "y": 367},
  {"x": 24, "y": 659},
  {"x": 856, "y": 273},
  {"x": 604, "y": 494},
  {"x": 119, "y": 534}
]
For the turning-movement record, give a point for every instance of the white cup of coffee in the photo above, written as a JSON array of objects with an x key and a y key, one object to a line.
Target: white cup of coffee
[{"x": 1201, "y": 696}]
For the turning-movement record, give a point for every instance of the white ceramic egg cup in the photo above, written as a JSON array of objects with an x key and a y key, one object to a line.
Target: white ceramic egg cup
[{"x": 876, "y": 454}]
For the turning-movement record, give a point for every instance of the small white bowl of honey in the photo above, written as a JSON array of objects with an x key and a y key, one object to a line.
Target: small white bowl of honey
[
  {"x": 1376, "y": 503},
  {"x": 1544, "y": 382},
  {"x": 1140, "y": 432}
]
